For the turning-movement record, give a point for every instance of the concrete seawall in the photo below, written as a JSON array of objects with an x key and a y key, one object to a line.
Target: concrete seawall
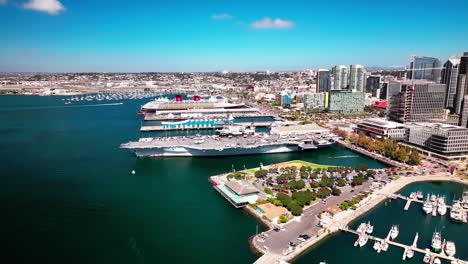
[{"x": 371, "y": 155}]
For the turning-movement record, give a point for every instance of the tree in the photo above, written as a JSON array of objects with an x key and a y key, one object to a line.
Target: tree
[
  {"x": 341, "y": 182},
  {"x": 295, "y": 209},
  {"x": 304, "y": 174},
  {"x": 402, "y": 154},
  {"x": 268, "y": 191},
  {"x": 344, "y": 206},
  {"x": 323, "y": 193},
  {"x": 261, "y": 173},
  {"x": 414, "y": 158},
  {"x": 303, "y": 197},
  {"x": 282, "y": 219},
  {"x": 336, "y": 191},
  {"x": 314, "y": 184},
  {"x": 359, "y": 180}
]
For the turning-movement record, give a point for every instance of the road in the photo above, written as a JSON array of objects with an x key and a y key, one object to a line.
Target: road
[{"x": 278, "y": 242}]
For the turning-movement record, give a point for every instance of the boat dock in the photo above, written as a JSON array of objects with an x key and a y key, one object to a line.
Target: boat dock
[
  {"x": 408, "y": 200},
  {"x": 408, "y": 247},
  {"x": 161, "y": 128}
]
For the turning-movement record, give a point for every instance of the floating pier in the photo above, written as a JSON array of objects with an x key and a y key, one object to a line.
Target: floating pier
[{"x": 408, "y": 247}]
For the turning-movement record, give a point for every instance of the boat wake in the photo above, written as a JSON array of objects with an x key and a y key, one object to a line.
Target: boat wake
[
  {"x": 55, "y": 107},
  {"x": 344, "y": 156}
]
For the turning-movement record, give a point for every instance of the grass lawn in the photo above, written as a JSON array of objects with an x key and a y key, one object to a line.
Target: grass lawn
[{"x": 297, "y": 163}]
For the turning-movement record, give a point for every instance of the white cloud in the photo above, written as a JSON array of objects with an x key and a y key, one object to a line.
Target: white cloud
[
  {"x": 222, "y": 16},
  {"x": 268, "y": 23},
  {"x": 51, "y": 7}
]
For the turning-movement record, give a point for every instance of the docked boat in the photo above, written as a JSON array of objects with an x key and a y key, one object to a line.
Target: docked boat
[
  {"x": 377, "y": 246},
  {"x": 437, "y": 261},
  {"x": 409, "y": 253},
  {"x": 464, "y": 200},
  {"x": 419, "y": 195},
  {"x": 384, "y": 246},
  {"x": 441, "y": 207},
  {"x": 436, "y": 242},
  {"x": 369, "y": 228},
  {"x": 363, "y": 240},
  {"x": 427, "y": 206},
  {"x": 412, "y": 195},
  {"x": 450, "y": 249},
  {"x": 427, "y": 258},
  {"x": 456, "y": 212},
  {"x": 433, "y": 198},
  {"x": 394, "y": 232},
  {"x": 361, "y": 228}
]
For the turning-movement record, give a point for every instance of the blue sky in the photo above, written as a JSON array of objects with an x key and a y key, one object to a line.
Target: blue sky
[{"x": 237, "y": 35}]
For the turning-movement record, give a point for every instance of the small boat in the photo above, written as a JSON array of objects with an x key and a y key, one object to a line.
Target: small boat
[
  {"x": 450, "y": 249},
  {"x": 419, "y": 195},
  {"x": 362, "y": 228},
  {"x": 363, "y": 241},
  {"x": 442, "y": 207},
  {"x": 409, "y": 253},
  {"x": 456, "y": 212},
  {"x": 394, "y": 232},
  {"x": 436, "y": 242},
  {"x": 384, "y": 246},
  {"x": 433, "y": 198},
  {"x": 369, "y": 228},
  {"x": 413, "y": 195},
  {"x": 437, "y": 261},
  {"x": 427, "y": 206},
  {"x": 377, "y": 245},
  {"x": 427, "y": 258}
]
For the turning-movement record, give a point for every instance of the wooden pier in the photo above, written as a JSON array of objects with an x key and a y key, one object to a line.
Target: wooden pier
[{"x": 407, "y": 247}]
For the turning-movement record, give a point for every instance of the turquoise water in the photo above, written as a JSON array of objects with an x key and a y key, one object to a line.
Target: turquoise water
[
  {"x": 410, "y": 222},
  {"x": 68, "y": 197}
]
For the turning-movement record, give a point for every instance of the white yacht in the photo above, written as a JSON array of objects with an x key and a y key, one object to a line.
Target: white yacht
[
  {"x": 464, "y": 200},
  {"x": 377, "y": 246},
  {"x": 437, "y": 261},
  {"x": 362, "y": 228},
  {"x": 419, "y": 195},
  {"x": 427, "y": 206},
  {"x": 456, "y": 213},
  {"x": 450, "y": 249},
  {"x": 442, "y": 207},
  {"x": 394, "y": 232}
]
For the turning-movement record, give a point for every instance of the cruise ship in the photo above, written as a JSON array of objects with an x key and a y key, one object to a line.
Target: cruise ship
[
  {"x": 178, "y": 104},
  {"x": 234, "y": 144}
]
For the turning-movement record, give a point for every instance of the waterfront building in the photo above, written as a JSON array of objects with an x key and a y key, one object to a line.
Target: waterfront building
[
  {"x": 238, "y": 192},
  {"x": 315, "y": 102},
  {"x": 382, "y": 128},
  {"x": 356, "y": 78},
  {"x": 449, "y": 141},
  {"x": 272, "y": 212},
  {"x": 424, "y": 68},
  {"x": 323, "y": 81},
  {"x": 450, "y": 79},
  {"x": 346, "y": 102},
  {"x": 416, "y": 101},
  {"x": 340, "y": 77},
  {"x": 373, "y": 85}
]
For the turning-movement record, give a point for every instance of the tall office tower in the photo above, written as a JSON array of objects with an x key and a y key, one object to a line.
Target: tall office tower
[
  {"x": 356, "y": 78},
  {"x": 372, "y": 85},
  {"x": 416, "y": 101},
  {"x": 450, "y": 79},
  {"x": 424, "y": 68},
  {"x": 462, "y": 83},
  {"x": 323, "y": 81},
  {"x": 464, "y": 113},
  {"x": 340, "y": 77}
]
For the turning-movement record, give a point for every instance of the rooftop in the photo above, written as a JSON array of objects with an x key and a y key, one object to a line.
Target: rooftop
[
  {"x": 382, "y": 123},
  {"x": 272, "y": 211},
  {"x": 241, "y": 187}
]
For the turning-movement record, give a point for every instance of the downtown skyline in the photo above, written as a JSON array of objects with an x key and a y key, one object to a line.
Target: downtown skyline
[{"x": 172, "y": 36}]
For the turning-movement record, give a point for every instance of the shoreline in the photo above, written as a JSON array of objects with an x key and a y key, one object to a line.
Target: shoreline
[{"x": 343, "y": 219}]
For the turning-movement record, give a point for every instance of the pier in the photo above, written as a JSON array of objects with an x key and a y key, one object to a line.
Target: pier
[
  {"x": 161, "y": 128},
  {"x": 407, "y": 247},
  {"x": 408, "y": 200}
]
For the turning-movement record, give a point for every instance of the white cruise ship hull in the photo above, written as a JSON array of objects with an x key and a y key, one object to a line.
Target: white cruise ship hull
[{"x": 192, "y": 152}]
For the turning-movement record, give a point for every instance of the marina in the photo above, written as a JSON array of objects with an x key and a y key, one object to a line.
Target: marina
[{"x": 407, "y": 249}]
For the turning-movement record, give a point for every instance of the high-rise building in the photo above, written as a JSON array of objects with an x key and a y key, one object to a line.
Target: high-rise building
[
  {"x": 464, "y": 113},
  {"x": 346, "y": 102},
  {"x": 323, "y": 81},
  {"x": 424, "y": 68},
  {"x": 340, "y": 77},
  {"x": 356, "y": 78},
  {"x": 315, "y": 102},
  {"x": 462, "y": 84},
  {"x": 450, "y": 79},
  {"x": 416, "y": 101},
  {"x": 372, "y": 85}
]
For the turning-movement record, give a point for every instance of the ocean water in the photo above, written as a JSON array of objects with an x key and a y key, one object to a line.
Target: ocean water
[{"x": 68, "y": 196}]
